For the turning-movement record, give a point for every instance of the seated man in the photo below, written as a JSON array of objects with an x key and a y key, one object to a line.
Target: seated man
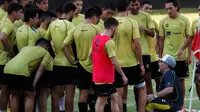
[{"x": 169, "y": 96}]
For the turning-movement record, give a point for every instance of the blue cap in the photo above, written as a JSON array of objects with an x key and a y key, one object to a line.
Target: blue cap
[{"x": 169, "y": 60}]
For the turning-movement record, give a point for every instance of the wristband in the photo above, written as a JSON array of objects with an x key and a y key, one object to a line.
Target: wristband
[{"x": 155, "y": 96}]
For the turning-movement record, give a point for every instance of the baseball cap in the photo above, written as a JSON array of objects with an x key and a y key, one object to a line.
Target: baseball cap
[{"x": 168, "y": 60}]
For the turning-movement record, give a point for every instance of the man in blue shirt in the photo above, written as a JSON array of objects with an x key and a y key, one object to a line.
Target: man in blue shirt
[{"x": 169, "y": 97}]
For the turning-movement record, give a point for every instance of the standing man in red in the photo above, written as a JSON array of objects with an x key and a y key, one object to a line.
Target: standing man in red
[{"x": 104, "y": 63}]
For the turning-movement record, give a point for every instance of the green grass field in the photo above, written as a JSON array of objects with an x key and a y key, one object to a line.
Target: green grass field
[{"x": 157, "y": 15}]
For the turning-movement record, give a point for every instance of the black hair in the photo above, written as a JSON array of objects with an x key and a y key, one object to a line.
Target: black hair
[
  {"x": 75, "y": 0},
  {"x": 110, "y": 23},
  {"x": 3, "y": 1},
  {"x": 38, "y": 1},
  {"x": 122, "y": 5},
  {"x": 43, "y": 41},
  {"x": 134, "y": 1},
  {"x": 28, "y": 6},
  {"x": 68, "y": 7},
  {"x": 14, "y": 7},
  {"x": 109, "y": 5},
  {"x": 59, "y": 8},
  {"x": 31, "y": 13},
  {"x": 46, "y": 14},
  {"x": 93, "y": 11},
  {"x": 175, "y": 3},
  {"x": 146, "y": 2}
]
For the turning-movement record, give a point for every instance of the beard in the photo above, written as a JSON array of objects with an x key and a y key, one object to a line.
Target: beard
[{"x": 71, "y": 19}]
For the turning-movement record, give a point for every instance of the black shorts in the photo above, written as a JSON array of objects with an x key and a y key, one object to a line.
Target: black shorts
[
  {"x": 45, "y": 80},
  {"x": 133, "y": 75},
  {"x": 1, "y": 73},
  {"x": 63, "y": 76},
  {"x": 84, "y": 78},
  {"x": 182, "y": 70},
  {"x": 104, "y": 89},
  {"x": 198, "y": 68},
  {"x": 161, "y": 105},
  {"x": 154, "y": 70},
  {"x": 146, "y": 61},
  {"x": 18, "y": 83}
]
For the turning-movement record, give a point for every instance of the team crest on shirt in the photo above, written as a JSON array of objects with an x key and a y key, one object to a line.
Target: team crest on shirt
[{"x": 167, "y": 25}]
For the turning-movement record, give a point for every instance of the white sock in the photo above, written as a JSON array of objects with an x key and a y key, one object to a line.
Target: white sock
[
  {"x": 37, "y": 107},
  {"x": 62, "y": 104},
  {"x": 3, "y": 110}
]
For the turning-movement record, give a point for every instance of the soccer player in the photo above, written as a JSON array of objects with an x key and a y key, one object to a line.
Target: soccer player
[
  {"x": 78, "y": 17},
  {"x": 20, "y": 74},
  {"x": 169, "y": 97},
  {"x": 63, "y": 73},
  {"x": 82, "y": 36},
  {"x": 103, "y": 71},
  {"x": 146, "y": 29},
  {"x": 129, "y": 53},
  {"x": 6, "y": 47},
  {"x": 4, "y": 7},
  {"x": 108, "y": 10},
  {"x": 27, "y": 35},
  {"x": 195, "y": 26},
  {"x": 146, "y": 6},
  {"x": 173, "y": 31},
  {"x": 42, "y": 4}
]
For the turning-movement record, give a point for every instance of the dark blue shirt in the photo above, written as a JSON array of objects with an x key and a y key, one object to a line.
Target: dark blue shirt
[{"x": 170, "y": 79}]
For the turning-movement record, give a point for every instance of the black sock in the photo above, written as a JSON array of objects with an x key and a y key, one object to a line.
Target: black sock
[
  {"x": 82, "y": 106},
  {"x": 136, "y": 97},
  {"x": 124, "y": 107},
  {"x": 91, "y": 102}
]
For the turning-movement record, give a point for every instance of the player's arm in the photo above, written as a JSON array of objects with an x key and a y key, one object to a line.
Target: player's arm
[
  {"x": 39, "y": 73},
  {"x": 6, "y": 45},
  {"x": 149, "y": 32},
  {"x": 46, "y": 64},
  {"x": 161, "y": 38},
  {"x": 161, "y": 45},
  {"x": 118, "y": 69},
  {"x": 66, "y": 47},
  {"x": 109, "y": 48},
  {"x": 138, "y": 51}
]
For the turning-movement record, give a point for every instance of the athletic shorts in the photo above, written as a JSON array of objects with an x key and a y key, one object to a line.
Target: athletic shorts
[
  {"x": 63, "y": 76},
  {"x": 161, "y": 105},
  {"x": 182, "y": 70},
  {"x": 84, "y": 78},
  {"x": 1, "y": 72},
  {"x": 104, "y": 89},
  {"x": 146, "y": 61},
  {"x": 18, "y": 83},
  {"x": 133, "y": 75},
  {"x": 45, "y": 80},
  {"x": 154, "y": 70}
]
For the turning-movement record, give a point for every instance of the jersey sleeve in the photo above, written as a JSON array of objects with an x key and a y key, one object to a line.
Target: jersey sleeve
[
  {"x": 110, "y": 48},
  {"x": 8, "y": 28},
  {"x": 156, "y": 26},
  {"x": 48, "y": 33},
  {"x": 48, "y": 61},
  {"x": 69, "y": 39},
  {"x": 70, "y": 26},
  {"x": 168, "y": 80},
  {"x": 136, "y": 33},
  {"x": 98, "y": 28},
  {"x": 192, "y": 29},
  {"x": 149, "y": 22},
  {"x": 187, "y": 27},
  {"x": 161, "y": 29}
]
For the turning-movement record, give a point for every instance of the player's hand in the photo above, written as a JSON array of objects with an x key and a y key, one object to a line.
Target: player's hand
[
  {"x": 150, "y": 97},
  {"x": 125, "y": 80},
  {"x": 189, "y": 60},
  {"x": 142, "y": 70},
  {"x": 180, "y": 54},
  {"x": 142, "y": 28}
]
